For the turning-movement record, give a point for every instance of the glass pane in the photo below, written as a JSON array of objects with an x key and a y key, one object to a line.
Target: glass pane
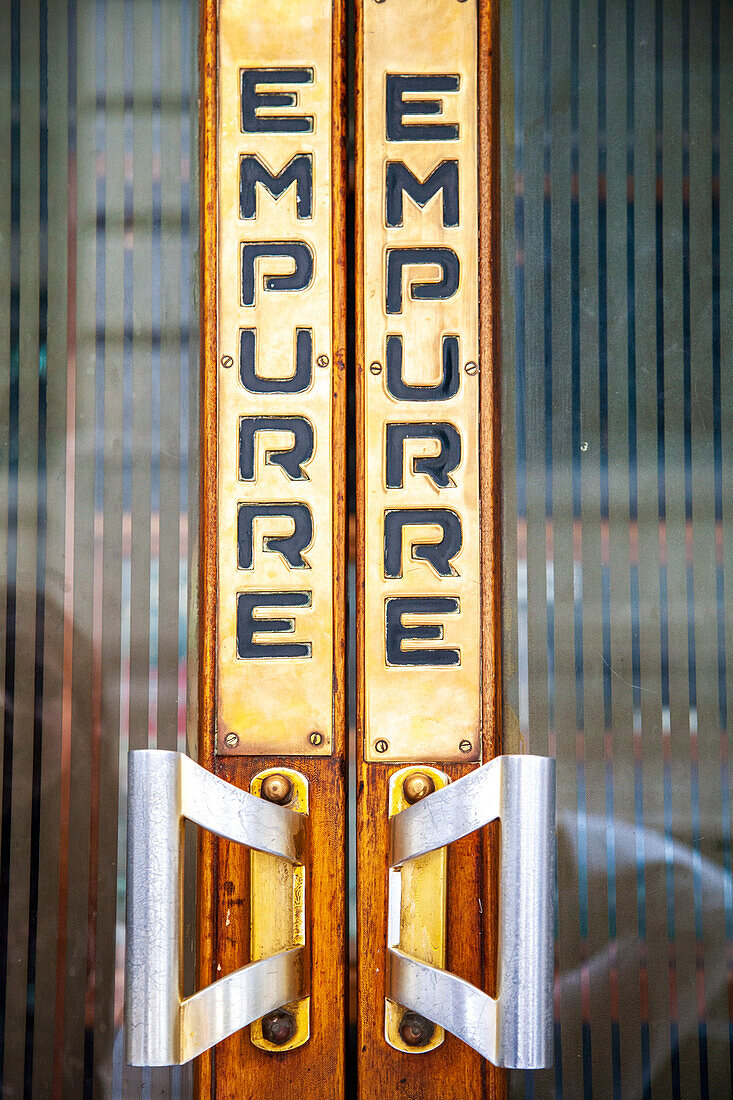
[
  {"x": 98, "y": 224},
  {"x": 617, "y": 403}
]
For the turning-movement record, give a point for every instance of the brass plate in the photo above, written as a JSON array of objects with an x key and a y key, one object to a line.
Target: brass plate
[
  {"x": 421, "y": 295},
  {"x": 274, "y": 684},
  {"x": 277, "y": 909},
  {"x": 422, "y": 911}
]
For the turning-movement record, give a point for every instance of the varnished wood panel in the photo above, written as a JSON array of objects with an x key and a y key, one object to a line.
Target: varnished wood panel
[
  {"x": 453, "y": 1069},
  {"x": 236, "y": 1068}
]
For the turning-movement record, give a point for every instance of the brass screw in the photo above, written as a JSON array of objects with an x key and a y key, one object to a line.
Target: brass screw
[
  {"x": 375, "y": 367},
  {"x": 381, "y": 745},
  {"x": 465, "y": 746},
  {"x": 278, "y": 1027},
  {"x": 227, "y": 361},
  {"x": 471, "y": 367},
  {"x": 277, "y": 788},
  {"x": 315, "y": 738},
  {"x": 417, "y": 786},
  {"x": 322, "y": 360},
  {"x": 231, "y": 740},
  {"x": 415, "y": 1030}
]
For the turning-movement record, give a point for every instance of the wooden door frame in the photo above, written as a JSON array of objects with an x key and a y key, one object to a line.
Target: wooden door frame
[
  {"x": 236, "y": 1068},
  {"x": 452, "y": 1069}
]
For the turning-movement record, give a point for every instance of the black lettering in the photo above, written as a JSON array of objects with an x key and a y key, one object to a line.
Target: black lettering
[
  {"x": 437, "y": 467},
  {"x": 291, "y": 459},
  {"x": 298, "y": 279},
  {"x": 290, "y": 547},
  {"x": 400, "y": 181},
  {"x": 298, "y": 171},
  {"x": 295, "y": 383},
  {"x": 398, "y": 108},
  {"x": 443, "y": 391},
  {"x": 252, "y": 100},
  {"x": 396, "y": 632},
  {"x": 445, "y": 287},
  {"x": 248, "y": 625},
  {"x": 437, "y": 554}
]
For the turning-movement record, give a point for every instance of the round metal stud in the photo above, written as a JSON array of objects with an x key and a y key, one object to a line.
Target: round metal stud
[
  {"x": 278, "y": 1027},
  {"x": 465, "y": 746},
  {"x": 315, "y": 738},
  {"x": 417, "y": 786},
  {"x": 415, "y": 1030},
  {"x": 277, "y": 788},
  {"x": 231, "y": 740},
  {"x": 381, "y": 745}
]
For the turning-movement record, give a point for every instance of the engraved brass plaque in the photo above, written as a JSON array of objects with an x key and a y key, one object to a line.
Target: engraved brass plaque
[
  {"x": 420, "y": 382},
  {"x": 275, "y": 375}
]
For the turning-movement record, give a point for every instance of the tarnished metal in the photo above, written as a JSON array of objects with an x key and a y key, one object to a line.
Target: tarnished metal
[
  {"x": 417, "y": 910},
  {"x": 422, "y": 583},
  {"x": 277, "y": 913},
  {"x": 515, "y": 1028},
  {"x": 162, "y": 1028},
  {"x": 275, "y": 377}
]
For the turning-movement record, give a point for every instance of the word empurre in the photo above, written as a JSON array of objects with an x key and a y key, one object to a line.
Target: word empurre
[{"x": 275, "y": 380}]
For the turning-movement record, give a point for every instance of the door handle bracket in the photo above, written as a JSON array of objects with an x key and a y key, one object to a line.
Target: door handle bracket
[
  {"x": 161, "y": 1027},
  {"x": 513, "y": 1029}
]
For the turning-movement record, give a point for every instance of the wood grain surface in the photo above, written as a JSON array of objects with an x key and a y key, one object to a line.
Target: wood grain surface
[
  {"x": 235, "y": 1068},
  {"x": 453, "y": 1070}
]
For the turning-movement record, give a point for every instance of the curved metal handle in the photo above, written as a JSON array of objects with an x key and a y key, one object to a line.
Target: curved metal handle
[
  {"x": 515, "y": 1028},
  {"x": 162, "y": 1028}
]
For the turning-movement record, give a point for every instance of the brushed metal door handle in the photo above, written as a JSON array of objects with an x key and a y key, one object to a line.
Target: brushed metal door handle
[{"x": 513, "y": 1029}]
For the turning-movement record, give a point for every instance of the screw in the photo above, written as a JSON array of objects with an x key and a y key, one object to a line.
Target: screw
[
  {"x": 415, "y": 1030},
  {"x": 227, "y": 361},
  {"x": 465, "y": 746},
  {"x": 278, "y": 1027},
  {"x": 471, "y": 367},
  {"x": 315, "y": 738},
  {"x": 381, "y": 745},
  {"x": 231, "y": 740},
  {"x": 322, "y": 360},
  {"x": 277, "y": 788},
  {"x": 375, "y": 367},
  {"x": 417, "y": 786}
]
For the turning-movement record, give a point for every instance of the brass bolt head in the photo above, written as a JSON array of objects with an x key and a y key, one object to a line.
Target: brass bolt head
[
  {"x": 381, "y": 745},
  {"x": 465, "y": 746},
  {"x": 231, "y": 740},
  {"x": 315, "y": 738},
  {"x": 277, "y": 788},
  {"x": 417, "y": 786},
  {"x": 278, "y": 1027},
  {"x": 415, "y": 1030}
]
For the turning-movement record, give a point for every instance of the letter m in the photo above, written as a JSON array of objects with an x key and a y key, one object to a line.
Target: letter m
[
  {"x": 400, "y": 181},
  {"x": 298, "y": 171}
]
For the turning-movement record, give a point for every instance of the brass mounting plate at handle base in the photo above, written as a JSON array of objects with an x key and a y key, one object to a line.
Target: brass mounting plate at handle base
[
  {"x": 277, "y": 910},
  {"x": 417, "y": 909}
]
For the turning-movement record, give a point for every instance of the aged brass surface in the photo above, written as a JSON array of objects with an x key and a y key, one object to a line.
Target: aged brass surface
[
  {"x": 277, "y": 909},
  {"x": 421, "y": 712},
  {"x": 417, "y": 902},
  {"x": 275, "y": 704}
]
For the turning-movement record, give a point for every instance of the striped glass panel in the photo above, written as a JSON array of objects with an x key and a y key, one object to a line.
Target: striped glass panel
[
  {"x": 617, "y": 200},
  {"x": 97, "y": 230}
]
